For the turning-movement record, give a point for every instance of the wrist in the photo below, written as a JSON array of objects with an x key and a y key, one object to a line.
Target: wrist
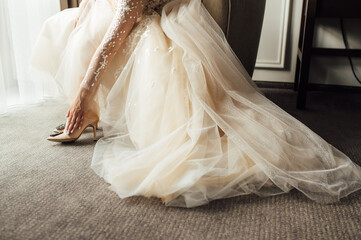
[{"x": 83, "y": 94}]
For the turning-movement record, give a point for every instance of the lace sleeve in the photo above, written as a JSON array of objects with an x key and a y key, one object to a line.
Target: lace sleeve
[{"x": 126, "y": 15}]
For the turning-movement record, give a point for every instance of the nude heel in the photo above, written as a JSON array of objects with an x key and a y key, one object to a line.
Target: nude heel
[
  {"x": 90, "y": 119},
  {"x": 95, "y": 126}
]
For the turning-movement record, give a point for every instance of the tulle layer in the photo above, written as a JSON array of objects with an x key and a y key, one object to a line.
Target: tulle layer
[{"x": 183, "y": 121}]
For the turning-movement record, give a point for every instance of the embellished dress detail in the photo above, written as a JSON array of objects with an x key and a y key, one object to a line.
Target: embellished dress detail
[
  {"x": 126, "y": 14},
  {"x": 181, "y": 117}
]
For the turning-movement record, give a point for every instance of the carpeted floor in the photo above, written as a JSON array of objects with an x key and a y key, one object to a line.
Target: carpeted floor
[{"x": 48, "y": 190}]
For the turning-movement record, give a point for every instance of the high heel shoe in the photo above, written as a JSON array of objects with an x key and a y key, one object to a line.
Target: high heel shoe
[
  {"x": 61, "y": 127},
  {"x": 72, "y": 137}
]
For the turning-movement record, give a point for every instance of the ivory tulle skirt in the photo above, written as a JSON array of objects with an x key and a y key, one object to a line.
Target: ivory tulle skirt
[{"x": 181, "y": 117}]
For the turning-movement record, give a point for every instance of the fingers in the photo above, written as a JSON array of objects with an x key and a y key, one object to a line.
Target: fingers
[
  {"x": 69, "y": 124},
  {"x": 81, "y": 122},
  {"x": 75, "y": 121},
  {"x": 72, "y": 122}
]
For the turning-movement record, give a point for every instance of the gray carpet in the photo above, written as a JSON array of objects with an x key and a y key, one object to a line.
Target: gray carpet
[{"x": 48, "y": 190}]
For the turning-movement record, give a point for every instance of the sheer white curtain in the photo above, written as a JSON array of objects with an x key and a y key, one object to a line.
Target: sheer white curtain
[{"x": 20, "y": 23}]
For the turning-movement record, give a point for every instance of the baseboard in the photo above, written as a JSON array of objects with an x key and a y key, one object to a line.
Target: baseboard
[
  {"x": 333, "y": 88},
  {"x": 311, "y": 87},
  {"x": 279, "y": 85}
]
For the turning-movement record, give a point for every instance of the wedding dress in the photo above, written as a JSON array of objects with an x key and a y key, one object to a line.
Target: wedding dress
[{"x": 182, "y": 120}]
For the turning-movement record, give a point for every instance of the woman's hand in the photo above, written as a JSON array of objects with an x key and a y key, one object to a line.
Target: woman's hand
[{"x": 77, "y": 111}]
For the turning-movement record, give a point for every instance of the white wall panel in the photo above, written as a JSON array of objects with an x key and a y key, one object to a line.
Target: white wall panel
[{"x": 274, "y": 35}]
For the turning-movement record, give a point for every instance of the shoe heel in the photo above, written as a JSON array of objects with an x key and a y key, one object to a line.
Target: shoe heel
[{"x": 94, "y": 125}]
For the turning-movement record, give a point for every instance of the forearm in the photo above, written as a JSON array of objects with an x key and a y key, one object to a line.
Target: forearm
[{"x": 120, "y": 28}]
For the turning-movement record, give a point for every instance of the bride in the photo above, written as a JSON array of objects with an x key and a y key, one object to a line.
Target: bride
[{"x": 181, "y": 117}]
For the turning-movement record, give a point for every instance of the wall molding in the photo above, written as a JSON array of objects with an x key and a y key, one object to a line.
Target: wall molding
[{"x": 273, "y": 55}]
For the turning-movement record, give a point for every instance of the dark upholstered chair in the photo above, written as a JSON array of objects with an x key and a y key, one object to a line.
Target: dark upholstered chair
[{"x": 241, "y": 21}]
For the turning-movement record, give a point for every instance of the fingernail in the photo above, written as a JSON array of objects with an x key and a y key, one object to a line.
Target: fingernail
[
  {"x": 71, "y": 131},
  {"x": 79, "y": 127}
]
